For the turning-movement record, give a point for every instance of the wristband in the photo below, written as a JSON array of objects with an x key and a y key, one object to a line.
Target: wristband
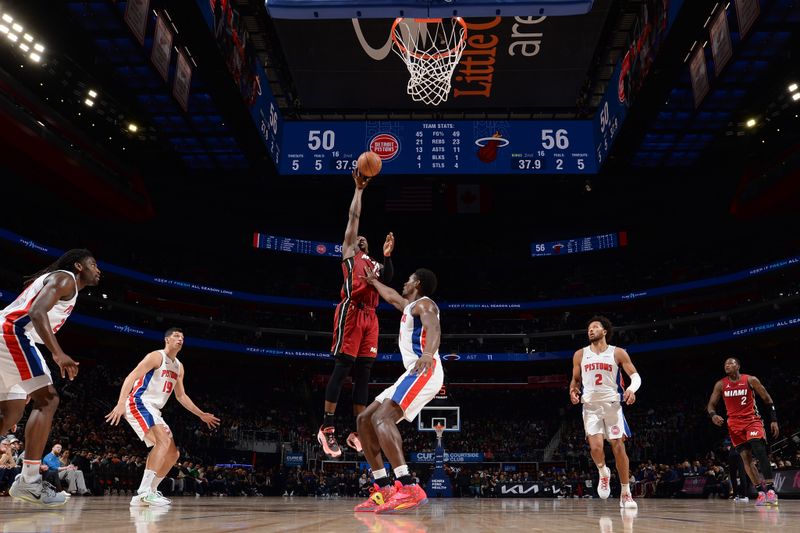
[
  {"x": 712, "y": 414},
  {"x": 636, "y": 382},
  {"x": 773, "y": 415}
]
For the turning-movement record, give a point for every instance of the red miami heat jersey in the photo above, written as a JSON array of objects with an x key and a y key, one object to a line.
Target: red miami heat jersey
[
  {"x": 740, "y": 401},
  {"x": 355, "y": 288}
]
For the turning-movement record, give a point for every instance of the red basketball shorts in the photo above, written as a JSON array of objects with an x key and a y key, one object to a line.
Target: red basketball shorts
[
  {"x": 355, "y": 330},
  {"x": 743, "y": 431}
]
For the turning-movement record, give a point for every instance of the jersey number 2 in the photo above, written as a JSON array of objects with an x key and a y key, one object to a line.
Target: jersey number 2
[
  {"x": 167, "y": 387},
  {"x": 598, "y": 379},
  {"x": 744, "y": 400}
]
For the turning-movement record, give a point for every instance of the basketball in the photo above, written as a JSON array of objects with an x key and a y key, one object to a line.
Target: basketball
[{"x": 369, "y": 164}]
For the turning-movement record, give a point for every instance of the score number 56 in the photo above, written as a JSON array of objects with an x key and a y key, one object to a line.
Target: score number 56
[{"x": 555, "y": 139}]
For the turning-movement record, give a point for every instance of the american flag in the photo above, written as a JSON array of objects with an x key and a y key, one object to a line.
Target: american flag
[{"x": 409, "y": 199}]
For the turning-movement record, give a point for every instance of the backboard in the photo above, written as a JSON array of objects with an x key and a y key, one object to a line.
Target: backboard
[{"x": 448, "y": 416}]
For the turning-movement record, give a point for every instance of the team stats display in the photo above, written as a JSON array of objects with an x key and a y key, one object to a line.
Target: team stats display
[
  {"x": 277, "y": 243},
  {"x": 441, "y": 147},
  {"x": 580, "y": 244}
]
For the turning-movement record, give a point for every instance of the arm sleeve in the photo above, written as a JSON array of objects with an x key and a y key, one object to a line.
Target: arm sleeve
[{"x": 387, "y": 273}]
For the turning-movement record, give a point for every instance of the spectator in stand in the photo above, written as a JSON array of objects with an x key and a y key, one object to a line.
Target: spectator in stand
[{"x": 66, "y": 471}]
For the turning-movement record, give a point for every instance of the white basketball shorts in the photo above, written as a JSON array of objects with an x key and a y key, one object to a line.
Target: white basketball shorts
[{"x": 605, "y": 418}]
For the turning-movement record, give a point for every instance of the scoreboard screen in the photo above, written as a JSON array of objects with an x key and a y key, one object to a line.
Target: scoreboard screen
[
  {"x": 441, "y": 147},
  {"x": 580, "y": 245},
  {"x": 296, "y": 246}
]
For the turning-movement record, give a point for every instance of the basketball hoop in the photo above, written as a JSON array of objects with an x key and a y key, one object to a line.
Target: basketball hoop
[{"x": 430, "y": 56}]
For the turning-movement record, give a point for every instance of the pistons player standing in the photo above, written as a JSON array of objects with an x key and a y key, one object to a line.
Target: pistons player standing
[
  {"x": 144, "y": 393},
  {"x": 745, "y": 425},
  {"x": 596, "y": 368},
  {"x": 355, "y": 324}
]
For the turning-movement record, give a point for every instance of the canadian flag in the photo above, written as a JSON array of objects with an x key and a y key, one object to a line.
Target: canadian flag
[{"x": 469, "y": 198}]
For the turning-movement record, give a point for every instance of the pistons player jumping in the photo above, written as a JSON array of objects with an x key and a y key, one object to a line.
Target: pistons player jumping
[
  {"x": 144, "y": 393},
  {"x": 355, "y": 324},
  {"x": 596, "y": 369},
  {"x": 745, "y": 425}
]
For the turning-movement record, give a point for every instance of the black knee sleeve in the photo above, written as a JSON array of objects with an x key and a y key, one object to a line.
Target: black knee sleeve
[
  {"x": 759, "y": 450},
  {"x": 340, "y": 371},
  {"x": 361, "y": 373}
]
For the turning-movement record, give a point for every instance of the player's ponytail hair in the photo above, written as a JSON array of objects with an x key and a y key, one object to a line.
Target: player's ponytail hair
[
  {"x": 605, "y": 322},
  {"x": 65, "y": 262}
]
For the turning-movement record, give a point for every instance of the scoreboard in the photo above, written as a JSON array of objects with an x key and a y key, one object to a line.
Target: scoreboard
[
  {"x": 441, "y": 147},
  {"x": 580, "y": 245},
  {"x": 296, "y": 246}
]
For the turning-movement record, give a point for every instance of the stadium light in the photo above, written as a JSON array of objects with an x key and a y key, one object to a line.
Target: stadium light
[
  {"x": 38, "y": 47},
  {"x": 12, "y": 37},
  {"x": 133, "y": 128},
  {"x": 8, "y": 18},
  {"x": 3, "y": 28},
  {"x": 792, "y": 87},
  {"x": 750, "y": 122},
  {"x": 24, "y": 47},
  {"x": 16, "y": 27},
  {"x": 89, "y": 102},
  {"x": 35, "y": 57},
  {"x": 796, "y": 96},
  {"x": 28, "y": 37},
  {"x": 92, "y": 94}
]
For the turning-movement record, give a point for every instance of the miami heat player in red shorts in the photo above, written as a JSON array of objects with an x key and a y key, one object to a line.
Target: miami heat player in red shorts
[
  {"x": 355, "y": 324},
  {"x": 745, "y": 425}
]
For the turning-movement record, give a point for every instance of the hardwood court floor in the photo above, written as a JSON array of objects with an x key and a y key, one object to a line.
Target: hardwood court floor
[{"x": 111, "y": 514}]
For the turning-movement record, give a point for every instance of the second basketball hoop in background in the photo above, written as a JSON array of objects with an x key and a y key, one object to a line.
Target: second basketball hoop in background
[{"x": 369, "y": 164}]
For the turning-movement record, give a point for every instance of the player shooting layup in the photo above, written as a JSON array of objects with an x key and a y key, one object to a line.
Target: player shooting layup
[{"x": 355, "y": 324}]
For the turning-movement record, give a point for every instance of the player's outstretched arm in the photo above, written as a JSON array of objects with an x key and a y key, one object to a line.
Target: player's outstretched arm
[
  {"x": 387, "y": 293},
  {"x": 716, "y": 394},
  {"x": 624, "y": 360},
  {"x": 387, "y": 272},
  {"x": 351, "y": 232},
  {"x": 575, "y": 383},
  {"x": 57, "y": 286},
  {"x": 183, "y": 398},
  {"x": 757, "y": 386},
  {"x": 427, "y": 312},
  {"x": 150, "y": 361}
]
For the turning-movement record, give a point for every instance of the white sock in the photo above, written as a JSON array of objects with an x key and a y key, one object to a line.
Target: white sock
[
  {"x": 156, "y": 482},
  {"x": 147, "y": 481},
  {"x": 626, "y": 489},
  {"x": 30, "y": 471},
  {"x": 401, "y": 471},
  {"x": 379, "y": 474}
]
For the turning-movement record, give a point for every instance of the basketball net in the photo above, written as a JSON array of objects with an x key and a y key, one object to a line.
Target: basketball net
[
  {"x": 439, "y": 429},
  {"x": 431, "y": 49}
]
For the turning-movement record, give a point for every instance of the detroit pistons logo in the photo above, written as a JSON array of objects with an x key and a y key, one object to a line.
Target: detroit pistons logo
[
  {"x": 321, "y": 249},
  {"x": 615, "y": 430},
  {"x": 385, "y": 145}
]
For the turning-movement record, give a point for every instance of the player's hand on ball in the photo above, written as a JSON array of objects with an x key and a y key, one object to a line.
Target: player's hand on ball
[
  {"x": 629, "y": 397},
  {"x": 361, "y": 181},
  {"x": 775, "y": 431},
  {"x": 116, "y": 413},
  {"x": 423, "y": 364},
  {"x": 210, "y": 420},
  {"x": 575, "y": 396},
  {"x": 718, "y": 420},
  {"x": 388, "y": 245}
]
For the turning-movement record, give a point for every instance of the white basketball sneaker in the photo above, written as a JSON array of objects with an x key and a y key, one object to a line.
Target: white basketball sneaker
[
  {"x": 626, "y": 502},
  {"x": 155, "y": 499},
  {"x": 604, "y": 486}
]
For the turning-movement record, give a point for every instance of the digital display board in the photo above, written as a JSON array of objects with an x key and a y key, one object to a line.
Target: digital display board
[
  {"x": 441, "y": 147},
  {"x": 580, "y": 245},
  {"x": 296, "y": 246}
]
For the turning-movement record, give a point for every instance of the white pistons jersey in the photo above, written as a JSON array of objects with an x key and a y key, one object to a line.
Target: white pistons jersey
[
  {"x": 602, "y": 381},
  {"x": 155, "y": 388},
  {"x": 15, "y": 316},
  {"x": 413, "y": 335}
]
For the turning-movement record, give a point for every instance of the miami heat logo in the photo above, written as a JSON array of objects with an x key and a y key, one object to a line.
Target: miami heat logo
[{"x": 488, "y": 146}]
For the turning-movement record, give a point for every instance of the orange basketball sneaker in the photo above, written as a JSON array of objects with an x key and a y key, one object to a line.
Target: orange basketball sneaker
[
  {"x": 377, "y": 497},
  {"x": 405, "y": 498}
]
